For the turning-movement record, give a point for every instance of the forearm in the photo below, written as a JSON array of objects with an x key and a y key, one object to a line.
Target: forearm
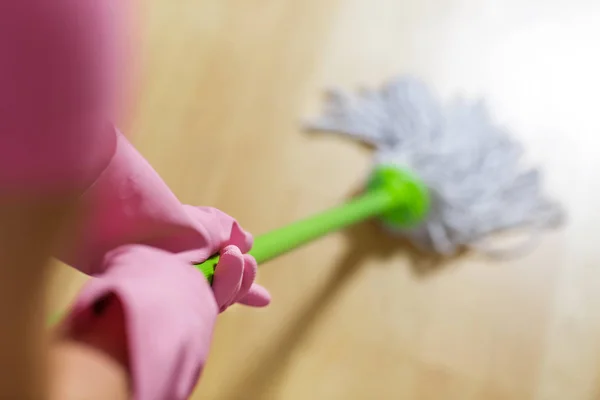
[
  {"x": 30, "y": 229},
  {"x": 22, "y": 373},
  {"x": 90, "y": 361},
  {"x": 81, "y": 371}
]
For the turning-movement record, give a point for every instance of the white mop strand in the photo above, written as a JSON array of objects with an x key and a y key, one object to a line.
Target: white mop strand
[{"x": 472, "y": 167}]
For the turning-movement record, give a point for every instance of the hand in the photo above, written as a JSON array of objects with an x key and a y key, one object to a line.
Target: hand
[
  {"x": 234, "y": 277},
  {"x": 130, "y": 203},
  {"x": 169, "y": 311}
]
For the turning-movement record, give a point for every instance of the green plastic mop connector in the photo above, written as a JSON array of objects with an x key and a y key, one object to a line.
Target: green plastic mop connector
[{"x": 394, "y": 195}]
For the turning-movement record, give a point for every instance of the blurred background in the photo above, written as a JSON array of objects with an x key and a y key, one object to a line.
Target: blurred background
[{"x": 224, "y": 87}]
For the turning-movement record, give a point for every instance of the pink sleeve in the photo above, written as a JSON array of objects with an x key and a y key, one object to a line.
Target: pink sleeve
[{"x": 57, "y": 91}]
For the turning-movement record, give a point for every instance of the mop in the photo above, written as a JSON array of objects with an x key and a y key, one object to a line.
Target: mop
[{"x": 445, "y": 177}]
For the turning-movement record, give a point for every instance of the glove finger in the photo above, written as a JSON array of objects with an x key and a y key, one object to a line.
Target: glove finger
[
  {"x": 248, "y": 277},
  {"x": 234, "y": 233},
  {"x": 220, "y": 229},
  {"x": 240, "y": 238},
  {"x": 228, "y": 276},
  {"x": 257, "y": 296}
]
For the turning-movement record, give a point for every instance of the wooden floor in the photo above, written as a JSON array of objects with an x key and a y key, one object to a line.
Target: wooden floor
[{"x": 355, "y": 316}]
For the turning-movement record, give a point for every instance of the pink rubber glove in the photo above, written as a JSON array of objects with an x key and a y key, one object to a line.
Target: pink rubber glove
[
  {"x": 170, "y": 312},
  {"x": 131, "y": 204},
  {"x": 58, "y": 63}
]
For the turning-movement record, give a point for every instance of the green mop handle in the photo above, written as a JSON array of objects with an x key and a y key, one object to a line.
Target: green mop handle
[
  {"x": 395, "y": 195},
  {"x": 284, "y": 239}
]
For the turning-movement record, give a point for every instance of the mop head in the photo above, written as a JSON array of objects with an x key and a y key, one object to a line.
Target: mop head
[{"x": 473, "y": 169}]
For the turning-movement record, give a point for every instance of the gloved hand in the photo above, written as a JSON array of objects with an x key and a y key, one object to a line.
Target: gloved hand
[
  {"x": 130, "y": 203},
  {"x": 234, "y": 277},
  {"x": 169, "y": 311}
]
